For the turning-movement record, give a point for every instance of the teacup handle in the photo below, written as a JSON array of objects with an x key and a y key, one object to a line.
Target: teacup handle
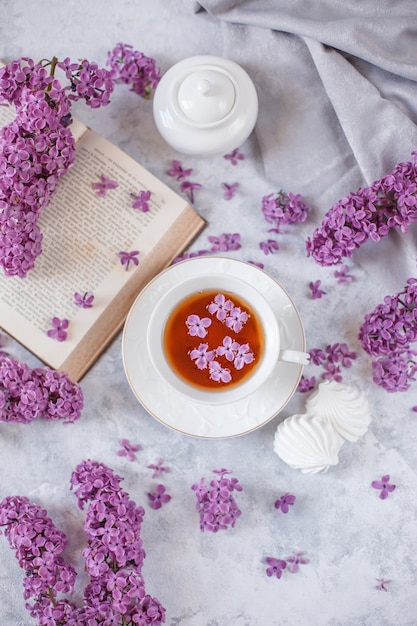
[{"x": 295, "y": 356}]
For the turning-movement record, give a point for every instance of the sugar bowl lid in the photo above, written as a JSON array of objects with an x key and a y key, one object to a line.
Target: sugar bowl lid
[{"x": 205, "y": 105}]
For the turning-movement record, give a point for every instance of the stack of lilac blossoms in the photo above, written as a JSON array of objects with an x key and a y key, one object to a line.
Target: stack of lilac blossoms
[
  {"x": 113, "y": 558},
  {"x": 389, "y": 331},
  {"x": 37, "y": 147}
]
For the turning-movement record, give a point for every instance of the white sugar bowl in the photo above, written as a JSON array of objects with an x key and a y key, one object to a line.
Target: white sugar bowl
[{"x": 205, "y": 106}]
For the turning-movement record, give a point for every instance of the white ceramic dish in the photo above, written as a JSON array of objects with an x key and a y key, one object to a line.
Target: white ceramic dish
[{"x": 179, "y": 412}]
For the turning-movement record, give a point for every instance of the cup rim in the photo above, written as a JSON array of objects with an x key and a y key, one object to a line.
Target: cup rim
[{"x": 269, "y": 323}]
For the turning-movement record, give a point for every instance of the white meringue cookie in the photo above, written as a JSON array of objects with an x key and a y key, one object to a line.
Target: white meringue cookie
[
  {"x": 307, "y": 443},
  {"x": 345, "y": 407}
]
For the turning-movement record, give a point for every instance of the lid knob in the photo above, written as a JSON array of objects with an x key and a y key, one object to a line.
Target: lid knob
[{"x": 206, "y": 96}]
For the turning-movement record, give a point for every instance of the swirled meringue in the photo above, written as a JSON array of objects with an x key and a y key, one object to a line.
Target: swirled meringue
[
  {"x": 307, "y": 443},
  {"x": 345, "y": 407}
]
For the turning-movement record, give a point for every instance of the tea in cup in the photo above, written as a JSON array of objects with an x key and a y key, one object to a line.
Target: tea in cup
[{"x": 216, "y": 339}]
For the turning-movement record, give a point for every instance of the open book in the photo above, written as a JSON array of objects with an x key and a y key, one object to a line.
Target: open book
[{"x": 83, "y": 234}]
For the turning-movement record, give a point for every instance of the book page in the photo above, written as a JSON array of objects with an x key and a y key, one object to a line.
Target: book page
[{"x": 82, "y": 237}]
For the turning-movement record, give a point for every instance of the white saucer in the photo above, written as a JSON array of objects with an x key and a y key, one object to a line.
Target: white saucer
[{"x": 182, "y": 414}]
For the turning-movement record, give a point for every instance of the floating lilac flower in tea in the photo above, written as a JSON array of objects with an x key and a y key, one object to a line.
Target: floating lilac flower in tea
[
  {"x": 59, "y": 329},
  {"x": 158, "y": 497},
  {"x": 197, "y": 327},
  {"x": 202, "y": 356},
  {"x": 235, "y": 156},
  {"x": 84, "y": 301},
  {"x": 384, "y": 486},
  {"x": 229, "y": 190},
  {"x": 128, "y": 449},
  {"x": 141, "y": 201},
  {"x": 284, "y": 502},
  {"x": 126, "y": 258},
  {"x": 105, "y": 183},
  {"x": 220, "y": 307},
  {"x": 216, "y": 504},
  {"x": 236, "y": 319},
  {"x": 177, "y": 171},
  {"x": 219, "y": 373}
]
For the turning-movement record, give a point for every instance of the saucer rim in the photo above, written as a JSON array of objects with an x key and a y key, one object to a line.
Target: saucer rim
[{"x": 177, "y": 402}]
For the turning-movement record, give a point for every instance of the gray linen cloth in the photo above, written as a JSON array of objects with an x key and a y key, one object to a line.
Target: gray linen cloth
[{"x": 337, "y": 88}]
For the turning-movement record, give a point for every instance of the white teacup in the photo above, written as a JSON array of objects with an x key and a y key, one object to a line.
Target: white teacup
[{"x": 258, "y": 306}]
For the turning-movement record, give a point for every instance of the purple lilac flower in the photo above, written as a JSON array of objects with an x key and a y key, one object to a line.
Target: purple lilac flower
[
  {"x": 244, "y": 356},
  {"x": 190, "y": 255},
  {"x": 158, "y": 468},
  {"x": 332, "y": 372},
  {"x": 229, "y": 190},
  {"x": 219, "y": 373},
  {"x": 382, "y": 584},
  {"x": 135, "y": 69},
  {"x": 38, "y": 146},
  {"x": 235, "y": 156},
  {"x": 141, "y": 200},
  {"x": 306, "y": 384},
  {"x": 296, "y": 560},
  {"x": 269, "y": 246},
  {"x": 126, "y": 258},
  {"x": 281, "y": 209},
  {"x": 225, "y": 242},
  {"x": 216, "y": 505},
  {"x": 343, "y": 276},
  {"x": 128, "y": 449},
  {"x": 228, "y": 349},
  {"x": 276, "y": 566},
  {"x": 158, "y": 497},
  {"x": 236, "y": 319},
  {"x": 104, "y": 184},
  {"x": 84, "y": 301},
  {"x": 177, "y": 171},
  {"x": 284, "y": 502},
  {"x": 220, "y": 306},
  {"x": 387, "y": 334},
  {"x": 316, "y": 292},
  {"x": 59, "y": 329},
  {"x": 332, "y": 359},
  {"x": 384, "y": 486},
  {"x": 368, "y": 213},
  {"x": 197, "y": 325},
  {"x": 257, "y": 264},
  {"x": 27, "y": 394},
  {"x": 114, "y": 555},
  {"x": 38, "y": 545},
  {"x": 202, "y": 356},
  {"x": 188, "y": 187}
]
